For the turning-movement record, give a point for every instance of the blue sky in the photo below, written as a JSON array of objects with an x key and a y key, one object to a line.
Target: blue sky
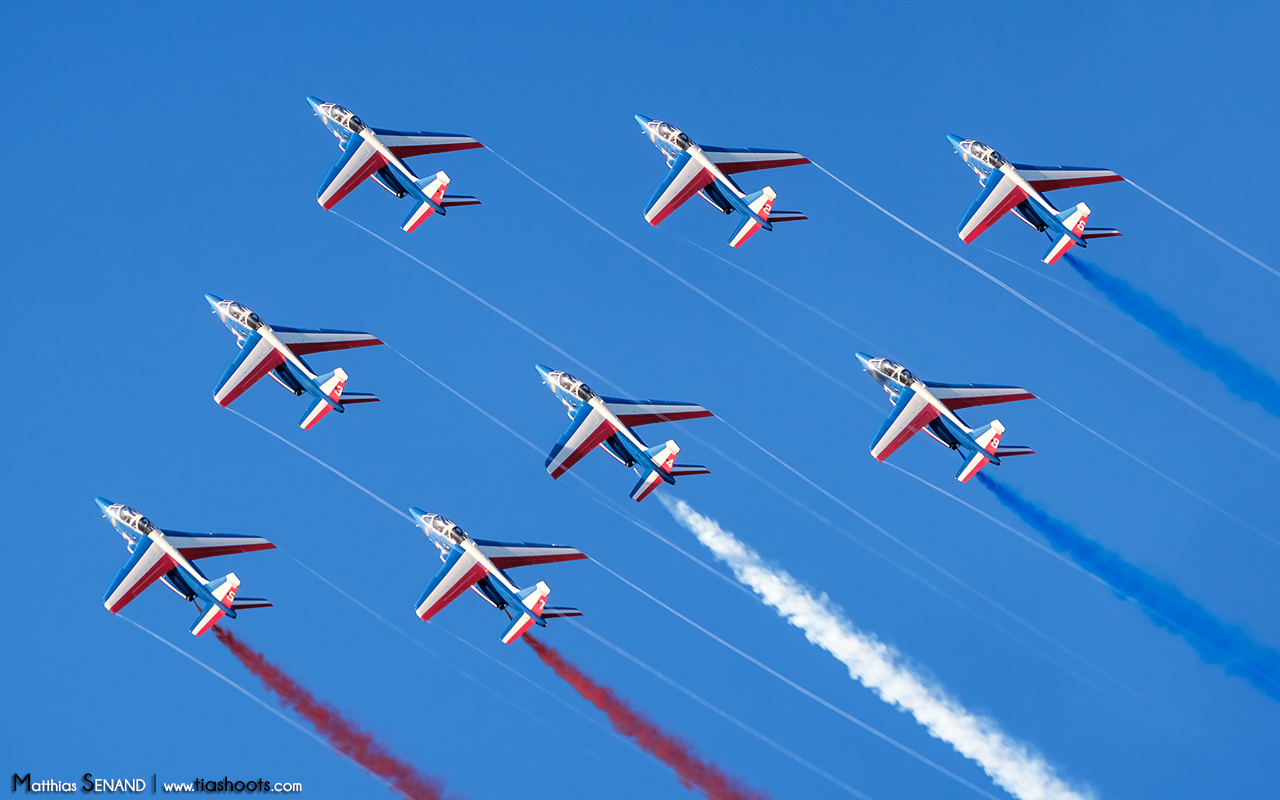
[{"x": 161, "y": 152}]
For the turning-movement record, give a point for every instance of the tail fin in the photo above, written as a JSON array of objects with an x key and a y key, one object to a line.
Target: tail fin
[
  {"x": 433, "y": 189},
  {"x": 534, "y": 599},
  {"x": 1073, "y": 221},
  {"x": 760, "y": 203},
  {"x": 989, "y": 440},
  {"x": 662, "y": 459},
  {"x": 224, "y": 591},
  {"x": 331, "y": 385}
]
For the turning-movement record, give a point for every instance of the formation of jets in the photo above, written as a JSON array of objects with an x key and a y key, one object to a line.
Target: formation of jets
[{"x": 596, "y": 420}]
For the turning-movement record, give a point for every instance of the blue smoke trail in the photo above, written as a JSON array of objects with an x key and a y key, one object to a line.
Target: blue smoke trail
[
  {"x": 1215, "y": 641},
  {"x": 1239, "y": 376}
]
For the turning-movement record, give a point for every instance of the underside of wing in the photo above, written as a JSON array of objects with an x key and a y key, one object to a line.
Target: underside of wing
[
  {"x": 256, "y": 359},
  {"x": 685, "y": 179},
  {"x": 506, "y": 555},
  {"x": 645, "y": 412},
  {"x": 1047, "y": 179},
  {"x": 206, "y": 545},
  {"x": 459, "y": 572},
  {"x": 359, "y": 160},
  {"x": 304, "y": 341},
  {"x": 420, "y": 143},
  {"x": 997, "y": 198},
  {"x": 955, "y": 396},
  {"x": 910, "y": 415},
  {"x": 147, "y": 563},
  {"x": 588, "y": 429},
  {"x": 732, "y": 160}
]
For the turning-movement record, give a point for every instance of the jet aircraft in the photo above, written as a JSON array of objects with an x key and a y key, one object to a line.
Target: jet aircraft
[
  {"x": 928, "y": 406},
  {"x": 606, "y": 421},
  {"x": 379, "y": 153},
  {"x": 1019, "y": 188},
  {"x": 705, "y": 170},
  {"x": 479, "y": 564},
  {"x": 167, "y": 555},
  {"x": 277, "y": 351}
]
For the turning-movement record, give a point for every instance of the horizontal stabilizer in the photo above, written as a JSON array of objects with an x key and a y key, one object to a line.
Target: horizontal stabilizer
[
  {"x": 241, "y": 603},
  {"x": 677, "y": 470},
  {"x": 433, "y": 192},
  {"x": 989, "y": 440},
  {"x": 1099, "y": 233},
  {"x": 359, "y": 397},
  {"x": 1014, "y": 450},
  {"x": 786, "y": 216},
  {"x": 331, "y": 385},
  {"x": 224, "y": 591},
  {"x": 451, "y": 200},
  {"x": 552, "y": 612},
  {"x": 760, "y": 203}
]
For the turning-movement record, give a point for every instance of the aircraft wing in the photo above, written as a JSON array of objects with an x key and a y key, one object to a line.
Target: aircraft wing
[
  {"x": 304, "y": 341},
  {"x": 645, "y": 412},
  {"x": 732, "y": 160},
  {"x": 505, "y": 555},
  {"x": 147, "y": 563},
  {"x": 256, "y": 358},
  {"x": 420, "y": 143},
  {"x": 359, "y": 160},
  {"x": 912, "y": 413},
  {"x": 588, "y": 429},
  {"x": 686, "y": 178},
  {"x": 1046, "y": 179},
  {"x": 204, "y": 545},
  {"x": 458, "y": 574},
  {"x": 997, "y": 198},
  {"x": 968, "y": 395}
]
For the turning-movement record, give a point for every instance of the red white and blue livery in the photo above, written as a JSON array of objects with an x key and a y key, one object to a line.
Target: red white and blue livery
[
  {"x": 379, "y": 153},
  {"x": 156, "y": 554},
  {"x": 606, "y": 422},
  {"x": 930, "y": 407},
  {"x": 1020, "y": 188},
  {"x": 277, "y": 351},
  {"x": 705, "y": 171},
  {"x": 480, "y": 565}
]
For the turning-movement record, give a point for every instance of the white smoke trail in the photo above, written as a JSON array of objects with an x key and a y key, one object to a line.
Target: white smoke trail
[{"x": 1010, "y": 764}]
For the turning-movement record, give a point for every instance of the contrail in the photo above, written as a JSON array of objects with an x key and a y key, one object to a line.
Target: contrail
[
  {"x": 693, "y": 772},
  {"x": 1135, "y": 369},
  {"x": 1166, "y": 605},
  {"x": 1239, "y": 376},
  {"x": 342, "y": 734},
  {"x": 1010, "y": 764},
  {"x": 1260, "y": 263}
]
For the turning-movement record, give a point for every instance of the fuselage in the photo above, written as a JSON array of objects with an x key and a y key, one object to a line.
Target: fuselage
[
  {"x": 185, "y": 578},
  {"x": 948, "y": 428},
  {"x": 983, "y": 160},
  {"x": 495, "y": 587},
  {"x": 672, "y": 142},
  {"x": 624, "y": 445}
]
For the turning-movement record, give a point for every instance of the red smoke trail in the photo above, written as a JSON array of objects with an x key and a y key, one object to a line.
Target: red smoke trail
[
  {"x": 342, "y": 734},
  {"x": 673, "y": 752}
]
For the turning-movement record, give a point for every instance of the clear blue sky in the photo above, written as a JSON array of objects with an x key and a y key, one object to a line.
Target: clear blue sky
[{"x": 160, "y": 152}]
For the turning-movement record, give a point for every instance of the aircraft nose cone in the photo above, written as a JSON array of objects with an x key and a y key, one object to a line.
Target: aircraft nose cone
[
  {"x": 315, "y": 103},
  {"x": 955, "y": 140},
  {"x": 417, "y": 513},
  {"x": 103, "y": 503},
  {"x": 213, "y": 300},
  {"x": 864, "y": 359},
  {"x": 644, "y": 121},
  {"x": 544, "y": 371}
]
